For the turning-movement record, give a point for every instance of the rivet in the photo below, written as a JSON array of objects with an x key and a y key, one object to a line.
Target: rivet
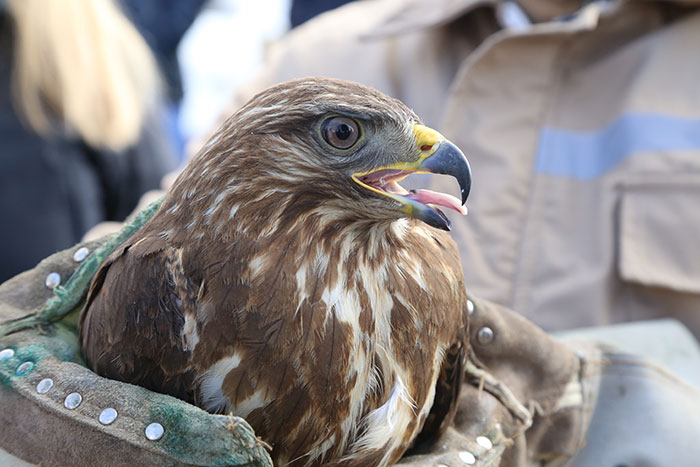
[
  {"x": 53, "y": 280},
  {"x": 470, "y": 306},
  {"x": 484, "y": 442},
  {"x": 24, "y": 368},
  {"x": 484, "y": 335},
  {"x": 154, "y": 431},
  {"x": 107, "y": 416},
  {"x": 72, "y": 400},
  {"x": 80, "y": 254},
  {"x": 44, "y": 386},
  {"x": 6, "y": 353},
  {"x": 467, "y": 457}
]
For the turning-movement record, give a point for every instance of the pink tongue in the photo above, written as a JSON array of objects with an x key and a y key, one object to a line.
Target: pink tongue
[{"x": 439, "y": 199}]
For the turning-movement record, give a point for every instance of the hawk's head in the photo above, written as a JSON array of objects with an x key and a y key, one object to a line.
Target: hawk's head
[{"x": 339, "y": 144}]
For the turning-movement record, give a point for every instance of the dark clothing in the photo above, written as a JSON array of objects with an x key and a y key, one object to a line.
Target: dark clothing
[
  {"x": 304, "y": 10},
  {"x": 52, "y": 190},
  {"x": 162, "y": 23}
]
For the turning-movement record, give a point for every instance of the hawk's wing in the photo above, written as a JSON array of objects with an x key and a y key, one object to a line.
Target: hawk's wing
[
  {"x": 144, "y": 344},
  {"x": 447, "y": 390}
]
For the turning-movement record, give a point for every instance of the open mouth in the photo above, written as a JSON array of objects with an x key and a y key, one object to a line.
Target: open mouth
[{"x": 385, "y": 181}]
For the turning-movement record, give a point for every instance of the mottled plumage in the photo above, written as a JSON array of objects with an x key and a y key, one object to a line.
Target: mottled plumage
[{"x": 293, "y": 283}]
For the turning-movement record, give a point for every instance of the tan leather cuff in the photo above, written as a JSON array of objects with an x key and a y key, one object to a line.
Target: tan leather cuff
[{"x": 522, "y": 400}]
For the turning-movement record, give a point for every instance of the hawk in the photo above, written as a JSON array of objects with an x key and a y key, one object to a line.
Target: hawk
[{"x": 289, "y": 279}]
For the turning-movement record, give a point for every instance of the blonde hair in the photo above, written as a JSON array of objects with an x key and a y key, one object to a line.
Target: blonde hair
[{"x": 82, "y": 65}]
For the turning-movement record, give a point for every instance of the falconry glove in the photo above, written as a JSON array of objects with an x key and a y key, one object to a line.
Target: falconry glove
[
  {"x": 532, "y": 399},
  {"x": 528, "y": 398},
  {"x": 522, "y": 401}
]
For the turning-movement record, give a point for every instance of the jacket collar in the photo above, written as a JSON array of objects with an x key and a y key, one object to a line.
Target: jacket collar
[{"x": 413, "y": 15}]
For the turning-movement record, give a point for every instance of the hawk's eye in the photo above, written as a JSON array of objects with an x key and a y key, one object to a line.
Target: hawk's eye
[{"x": 340, "y": 132}]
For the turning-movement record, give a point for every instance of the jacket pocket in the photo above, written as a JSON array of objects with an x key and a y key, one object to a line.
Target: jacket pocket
[{"x": 660, "y": 232}]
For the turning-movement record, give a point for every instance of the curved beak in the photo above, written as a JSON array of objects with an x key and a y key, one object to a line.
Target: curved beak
[
  {"x": 435, "y": 155},
  {"x": 448, "y": 159}
]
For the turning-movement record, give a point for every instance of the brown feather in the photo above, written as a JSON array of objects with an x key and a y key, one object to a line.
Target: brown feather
[{"x": 271, "y": 286}]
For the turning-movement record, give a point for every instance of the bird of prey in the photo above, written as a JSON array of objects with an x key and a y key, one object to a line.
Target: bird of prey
[{"x": 289, "y": 279}]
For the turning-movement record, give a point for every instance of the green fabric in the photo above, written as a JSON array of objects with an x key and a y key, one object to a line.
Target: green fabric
[
  {"x": 67, "y": 298},
  {"x": 191, "y": 435}
]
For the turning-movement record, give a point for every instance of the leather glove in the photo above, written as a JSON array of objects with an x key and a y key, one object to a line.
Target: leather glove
[
  {"x": 522, "y": 400},
  {"x": 527, "y": 399}
]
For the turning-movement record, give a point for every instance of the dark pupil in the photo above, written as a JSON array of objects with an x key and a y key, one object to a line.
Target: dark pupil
[{"x": 343, "y": 131}]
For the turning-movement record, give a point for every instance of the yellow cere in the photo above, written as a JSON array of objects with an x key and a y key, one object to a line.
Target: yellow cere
[{"x": 426, "y": 138}]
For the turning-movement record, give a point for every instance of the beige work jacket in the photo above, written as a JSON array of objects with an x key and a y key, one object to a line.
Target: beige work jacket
[{"x": 583, "y": 131}]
